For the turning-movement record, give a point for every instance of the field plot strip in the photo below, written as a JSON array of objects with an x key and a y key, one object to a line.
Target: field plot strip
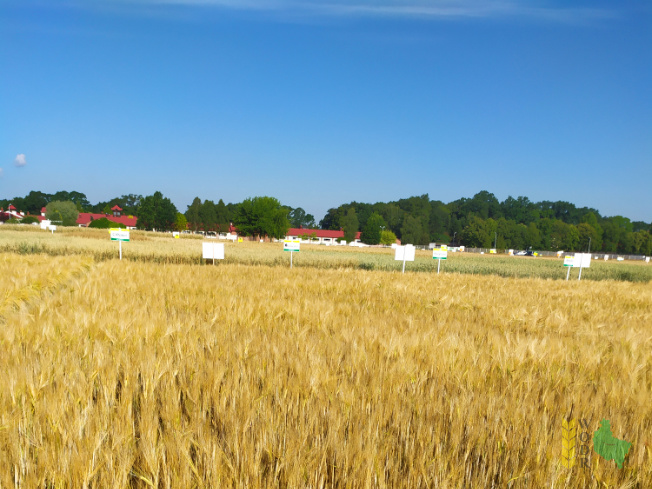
[{"x": 164, "y": 249}]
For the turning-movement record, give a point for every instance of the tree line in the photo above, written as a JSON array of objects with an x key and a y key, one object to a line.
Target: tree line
[
  {"x": 481, "y": 221},
  {"x": 484, "y": 222}
]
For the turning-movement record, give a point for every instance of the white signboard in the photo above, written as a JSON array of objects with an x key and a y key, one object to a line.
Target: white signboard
[
  {"x": 52, "y": 227},
  {"x": 291, "y": 245},
  {"x": 119, "y": 235},
  {"x": 584, "y": 260},
  {"x": 405, "y": 253},
  {"x": 45, "y": 223},
  {"x": 213, "y": 251},
  {"x": 439, "y": 254},
  {"x": 569, "y": 261},
  {"x": 647, "y": 260}
]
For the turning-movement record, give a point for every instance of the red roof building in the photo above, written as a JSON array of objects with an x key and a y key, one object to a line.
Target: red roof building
[
  {"x": 85, "y": 218},
  {"x": 322, "y": 236}
]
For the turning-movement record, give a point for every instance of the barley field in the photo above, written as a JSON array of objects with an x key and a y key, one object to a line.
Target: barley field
[
  {"x": 162, "y": 248},
  {"x": 138, "y": 373}
]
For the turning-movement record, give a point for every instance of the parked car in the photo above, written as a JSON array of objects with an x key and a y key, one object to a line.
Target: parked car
[{"x": 525, "y": 253}]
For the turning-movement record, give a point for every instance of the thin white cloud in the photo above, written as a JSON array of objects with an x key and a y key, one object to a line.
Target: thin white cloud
[
  {"x": 1, "y": 172},
  {"x": 20, "y": 160},
  {"x": 395, "y": 8}
]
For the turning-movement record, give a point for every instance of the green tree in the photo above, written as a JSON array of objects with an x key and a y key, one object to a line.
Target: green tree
[
  {"x": 477, "y": 234},
  {"x": 588, "y": 234},
  {"x": 223, "y": 216},
  {"x": 79, "y": 199},
  {"x": 387, "y": 237},
  {"x": 413, "y": 231},
  {"x": 35, "y": 201},
  {"x": 350, "y": 225},
  {"x": 371, "y": 233},
  {"x": 64, "y": 213},
  {"x": 208, "y": 216},
  {"x": 182, "y": 223},
  {"x": 299, "y": 219},
  {"x": 192, "y": 214},
  {"x": 29, "y": 220},
  {"x": 262, "y": 216},
  {"x": 157, "y": 212},
  {"x": 104, "y": 223},
  {"x": 532, "y": 236}
]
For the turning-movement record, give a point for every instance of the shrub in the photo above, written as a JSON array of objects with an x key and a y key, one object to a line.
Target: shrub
[
  {"x": 104, "y": 223},
  {"x": 29, "y": 220}
]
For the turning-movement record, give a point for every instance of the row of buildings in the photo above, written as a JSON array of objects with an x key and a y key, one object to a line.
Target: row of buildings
[
  {"x": 84, "y": 218},
  {"x": 315, "y": 236}
]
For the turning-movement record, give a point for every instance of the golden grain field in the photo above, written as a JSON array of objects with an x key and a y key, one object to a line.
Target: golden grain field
[
  {"x": 135, "y": 374},
  {"x": 162, "y": 248}
]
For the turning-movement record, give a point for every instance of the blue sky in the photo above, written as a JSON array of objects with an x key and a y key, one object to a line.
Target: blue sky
[{"x": 323, "y": 102}]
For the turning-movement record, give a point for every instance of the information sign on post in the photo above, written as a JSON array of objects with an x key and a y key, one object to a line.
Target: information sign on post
[
  {"x": 584, "y": 262},
  {"x": 439, "y": 255},
  {"x": 404, "y": 253},
  {"x": 213, "y": 251},
  {"x": 119, "y": 235},
  {"x": 580, "y": 260},
  {"x": 291, "y": 246}
]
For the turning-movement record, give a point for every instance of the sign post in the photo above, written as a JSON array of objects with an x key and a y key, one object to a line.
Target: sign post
[
  {"x": 213, "y": 251},
  {"x": 291, "y": 246},
  {"x": 581, "y": 260},
  {"x": 568, "y": 262},
  {"x": 439, "y": 254},
  {"x": 404, "y": 253},
  {"x": 585, "y": 261},
  {"x": 119, "y": 235}
]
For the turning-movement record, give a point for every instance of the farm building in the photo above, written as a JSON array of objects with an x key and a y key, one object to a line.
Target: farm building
[
  {"x": 12, "y": 212},
  {"x": 318, "y": 236},
  {"x": 85, "y": 218}
]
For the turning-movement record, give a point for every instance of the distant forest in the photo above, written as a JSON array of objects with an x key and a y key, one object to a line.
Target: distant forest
[{"x": 481, "y": 221}]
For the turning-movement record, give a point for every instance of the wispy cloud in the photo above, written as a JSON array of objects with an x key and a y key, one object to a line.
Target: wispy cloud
[
  {"x": 1, "y": 172},
  {"x": 434, "y": 9},
  {"x": 20, "y": 160}
]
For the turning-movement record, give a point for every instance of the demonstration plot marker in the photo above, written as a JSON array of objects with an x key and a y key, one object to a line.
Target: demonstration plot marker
[
  {"x": 404, "y": 253},
  {"x": 213, "y": 251},
  {"x": 580, "y": 260},
  {"x": 439, "y": 254},
  {"x": 119, "y": 235},
  {"x": 291, "y": 246}
]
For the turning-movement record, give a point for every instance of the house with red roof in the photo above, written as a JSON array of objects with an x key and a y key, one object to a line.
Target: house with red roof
[
  {"x": 85, "y": 218},
  {"x": 318, "y": 236},
  {"x": 12, "y": 212}
]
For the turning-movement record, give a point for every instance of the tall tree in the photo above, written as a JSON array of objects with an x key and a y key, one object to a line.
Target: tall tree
[
  {"x": 192, "y": 214},
  {"x": 299, "y": 219},
  {"x": 208, "y": 216},
  {"x": 350, "y": 225},
  {"x": 371, "y": 232},
  {"x": 414, "y": 231},
  {"x": 62, "y": 212},
  {"x": 262, "y": 216},
  {"x": 157, "y": 212},
  {"x": 222, "y": 216}
]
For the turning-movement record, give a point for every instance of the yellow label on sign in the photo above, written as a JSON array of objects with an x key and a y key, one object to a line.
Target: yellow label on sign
[{"x": 239, "y": 240}]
